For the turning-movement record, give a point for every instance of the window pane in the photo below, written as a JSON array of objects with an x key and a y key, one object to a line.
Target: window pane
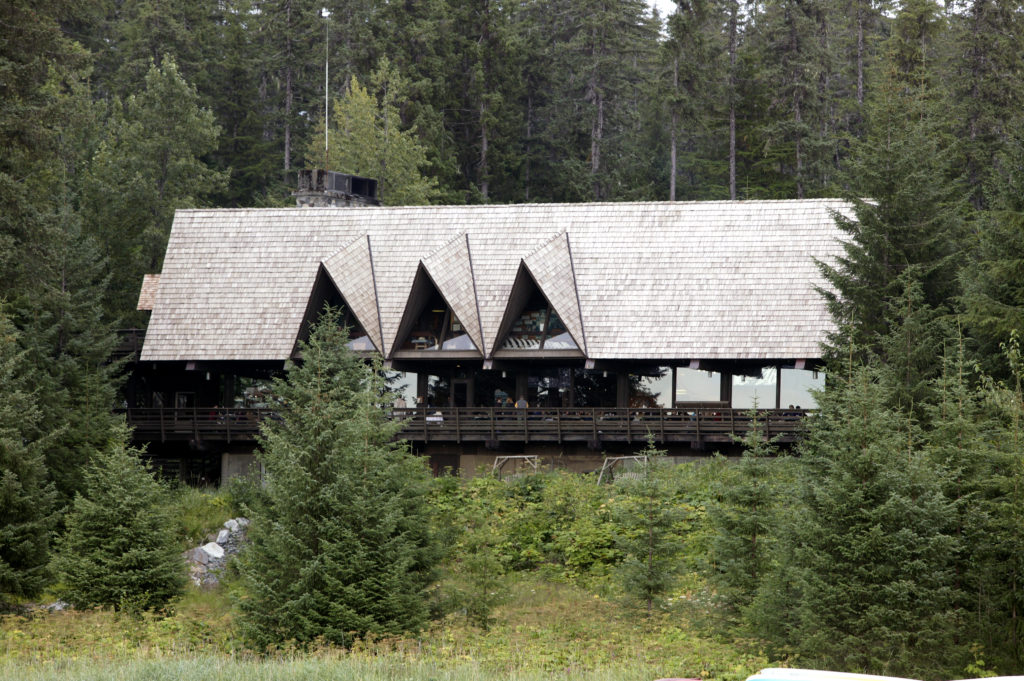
[
  {"x": 361, "y": 344},
  {"x": 558, "y": 337},
  {"x": 746, "y": 390},
  {"x": 426, "y": 333},
  {"x": 694, "y": 385},
  {"x": 797, "y": 385},
  {"x": 403, "y": 384},
  {"x": 456, "y": 337},
  {"x": 438, "y": 391},
  {"x": 651, "y": 391},
  {"x": 594, "y": 389}
]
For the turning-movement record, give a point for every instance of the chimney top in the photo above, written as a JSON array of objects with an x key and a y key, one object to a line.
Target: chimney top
[{"x": 326, "y": 188}]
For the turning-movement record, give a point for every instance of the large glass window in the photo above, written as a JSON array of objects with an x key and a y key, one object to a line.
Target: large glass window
[
  {"x": 438, "y": 391},
  {"x": 751, "y": 391},
  {"x": 549, "y": 387},
  {"x": 455, "y": 337},
  {"x": 557, "y": 336},
  {"x": 358, "y": 339},
  {"x": 651, "y": 390},
  {"x": 538, "y": 328},
  {"x": 594, "y": 388},
  {"x": 438, "y": 328},
  {"x": 403, "y": 385},
  {"x": 797, "y": 384},
  {"x": 695, "y": 385}
]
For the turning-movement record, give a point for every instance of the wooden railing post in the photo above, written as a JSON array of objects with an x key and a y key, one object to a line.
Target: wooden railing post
[{"x": 163, "y": 429}]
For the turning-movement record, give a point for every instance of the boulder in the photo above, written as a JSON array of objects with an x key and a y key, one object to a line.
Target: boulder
[
  {"x": 222, "y": 537},
  {"x": 213, "y": 550}
]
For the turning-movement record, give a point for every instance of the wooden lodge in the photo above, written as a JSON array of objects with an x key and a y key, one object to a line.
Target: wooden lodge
[{"x": 614, "y": 322}]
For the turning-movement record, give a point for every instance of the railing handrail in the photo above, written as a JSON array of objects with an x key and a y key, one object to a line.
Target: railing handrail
[{"x": 490, "y": 424}]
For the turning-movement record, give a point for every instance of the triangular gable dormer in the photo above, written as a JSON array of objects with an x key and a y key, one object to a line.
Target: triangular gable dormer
[
  {"x": 451, "y": 269},
  {"x": 532, "y": 323},
  {"x": 326, "y": 293},
  {"x": 351, "y": 271},
  {"x": 552, "y": 269},
  {"x": 429, "y": 324}
]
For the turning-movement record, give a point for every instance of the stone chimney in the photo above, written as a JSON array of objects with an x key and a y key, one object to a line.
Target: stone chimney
[{"x": 328, "y": 189}]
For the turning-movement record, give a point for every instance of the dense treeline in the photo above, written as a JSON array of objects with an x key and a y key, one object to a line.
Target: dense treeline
[{"x": 899, "y": 546}]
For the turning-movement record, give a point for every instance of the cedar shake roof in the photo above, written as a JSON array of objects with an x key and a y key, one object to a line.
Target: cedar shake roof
[
  {"x": 671, "y": 280},
  {"x": 351, "y": 270},
  {"x": 150, "y": 283}
]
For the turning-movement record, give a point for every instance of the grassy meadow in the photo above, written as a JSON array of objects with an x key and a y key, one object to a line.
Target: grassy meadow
[
  {"x": 558, "y": 610},
  {"x": 546, "y": 630}
]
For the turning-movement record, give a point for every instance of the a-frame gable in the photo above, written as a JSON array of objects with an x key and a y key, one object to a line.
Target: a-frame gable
[
  {"x": 532, "y": 322},
  {"x": 430, "y": 323},
  {"x": 451, "y": 269},
  {"x": 324, "y": 292},
  {"x": 351, "y": 270},
  {"x": 552, "y": 269}
]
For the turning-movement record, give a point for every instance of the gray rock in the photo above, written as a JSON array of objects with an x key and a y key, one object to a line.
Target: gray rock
[
  {"x": 197, "y": 555},
  {"x": 214, "y": 550},
  {"x": 243, "y": 522},
  {"x": 222, "y": 537},
  {"x": 231, "y": 525}
]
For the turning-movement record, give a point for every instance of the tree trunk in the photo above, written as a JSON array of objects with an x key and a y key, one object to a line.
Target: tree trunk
[
  {"x": 675, "y": 125},
  {"x": 288, "y": 93},
  {"x": 484, "y": 183}
]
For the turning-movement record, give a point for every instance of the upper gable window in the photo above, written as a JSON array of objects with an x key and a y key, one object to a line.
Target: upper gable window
[
  {"x": 438, "y": 328},
  {"x": 538, "y": 328},
  {"x": 359, "y": 340}
]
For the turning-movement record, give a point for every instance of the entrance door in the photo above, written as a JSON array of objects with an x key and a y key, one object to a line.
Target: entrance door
[{"x": 462, "y": 392}]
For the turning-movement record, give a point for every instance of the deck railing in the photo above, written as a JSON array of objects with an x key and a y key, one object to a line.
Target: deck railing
[{"x": 493, "y": 425}]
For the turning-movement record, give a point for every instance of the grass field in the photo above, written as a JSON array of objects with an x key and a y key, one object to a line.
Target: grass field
[{"x": 547, "y": 630}]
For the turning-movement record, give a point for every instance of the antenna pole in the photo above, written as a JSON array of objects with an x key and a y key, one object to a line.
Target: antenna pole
[{"x": 327, "y": 99}]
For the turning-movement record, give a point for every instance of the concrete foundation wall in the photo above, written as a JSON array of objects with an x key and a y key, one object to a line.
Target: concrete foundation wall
[{"x": 237, "y": 465}]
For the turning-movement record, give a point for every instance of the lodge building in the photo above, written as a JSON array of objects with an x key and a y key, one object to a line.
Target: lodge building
[{"x": 615, "y": 322}]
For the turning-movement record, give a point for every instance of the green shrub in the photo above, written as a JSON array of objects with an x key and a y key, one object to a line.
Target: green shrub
[{"x": 119, "y": 548}]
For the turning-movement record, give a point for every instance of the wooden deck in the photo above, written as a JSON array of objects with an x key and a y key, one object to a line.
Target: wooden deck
[{"x": 492, "y": 426}]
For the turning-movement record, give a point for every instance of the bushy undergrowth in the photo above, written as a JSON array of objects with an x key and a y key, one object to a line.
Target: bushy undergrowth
[{"x": 198, "y": 512}]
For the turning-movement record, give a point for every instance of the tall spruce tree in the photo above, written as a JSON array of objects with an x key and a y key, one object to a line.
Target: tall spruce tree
[
  {"x": 27, "y": 497},
  {"x": 742, "y": 518},
  {"x": 343, "y": 545},
  {"x": 149, "y": 165},
  {"x": 119, "y": 548},
  {"x": 908, "y": 205},
  {"x": 865, "y": 577}
]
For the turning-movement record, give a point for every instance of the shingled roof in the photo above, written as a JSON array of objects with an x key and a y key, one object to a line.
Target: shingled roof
[{"x": 696, "y": 280}]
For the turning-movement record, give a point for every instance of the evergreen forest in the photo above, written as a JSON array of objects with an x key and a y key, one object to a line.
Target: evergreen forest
[{"x": 891, "y": 540}]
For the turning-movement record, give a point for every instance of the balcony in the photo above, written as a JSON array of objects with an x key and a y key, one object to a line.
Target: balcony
[{"x": 493, "y": 426}]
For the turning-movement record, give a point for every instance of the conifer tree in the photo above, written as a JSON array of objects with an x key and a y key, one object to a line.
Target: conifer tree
[
  {"x": 367, "y": 139},
  {"x": 907, "y": 203},
  {"x": 342, "y": 545},
  {"x": 648, "y": 536},
  {"x": 119, "y": 548},
  {"x": 742, "y": 520},
  {"x": 149, "y": 165},
  {"x": 27, "y": 514},
  {"x": 865, "y": 578}
]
